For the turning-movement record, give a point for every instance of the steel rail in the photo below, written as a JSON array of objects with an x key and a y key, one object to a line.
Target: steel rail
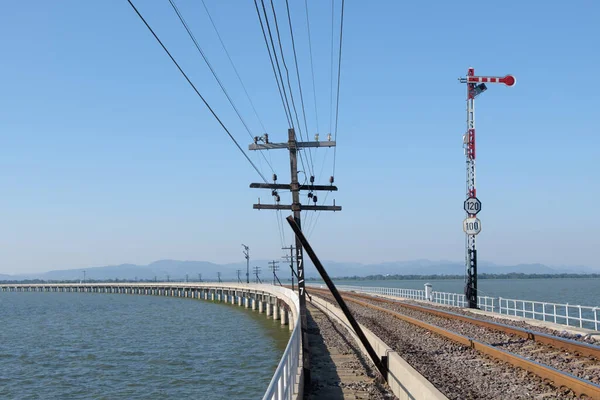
[
  {"x": 559, "y": 378},
  {"x": 554, "y": 341}
]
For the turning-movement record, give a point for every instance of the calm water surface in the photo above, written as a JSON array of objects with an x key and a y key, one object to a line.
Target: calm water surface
[
  {"x": 584, "y": 292},
  {"x": 111, "y": 346}
]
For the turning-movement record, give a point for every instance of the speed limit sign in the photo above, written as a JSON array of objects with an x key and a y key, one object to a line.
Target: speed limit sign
[
  {"x": 472, "y": 226},
  {"x": 472, "y": 205}
]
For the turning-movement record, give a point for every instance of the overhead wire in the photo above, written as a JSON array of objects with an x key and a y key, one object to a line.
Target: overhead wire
[
  {"x": 197, "y": 91},
  {"x": 205, "y": 58},
  {"x": 337, "y": 92},
  {"x": 291, "y": 96},
  {"x": 299, "y": 83},
  {"x": 233, "y": 66},
  {"x": 337, "y": 105},
  {"x": 311, "y": 64},
  {"x": 286, "y": 110}
]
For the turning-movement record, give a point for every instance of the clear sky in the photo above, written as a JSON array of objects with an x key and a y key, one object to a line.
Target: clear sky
[{"x": 107, "y": 156}]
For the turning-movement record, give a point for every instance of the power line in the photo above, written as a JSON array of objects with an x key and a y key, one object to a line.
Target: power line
[
  {"x": 272, "y": 64},
  {"x": 311, "y": 63},
  {"x": 337, "y": 106},
  {"x": 282, "y": 88},
  {"x": 299, "y": 84},
  {"x": 197, "y": 92},
  {"x": 233, "y": 66},
  {"x": 331, "y": 68},
  {"x": 185, "y": 25}
]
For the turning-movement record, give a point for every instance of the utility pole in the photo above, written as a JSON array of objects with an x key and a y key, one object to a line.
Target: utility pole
[
  {"x": 296, "y": 207},
  {"x": 273, "y": 265},
  {"x": 256, "y": 273},
  {"x": 219, "y": 277},
  {"x": 186, "y": 278},
  {"x": 168, "y": 278},
  {"x": 290, "y": 258},
  {"x": 84, "y": 276},
  {"x": 239, "y": 271},
  {"x": 247, "y": 257},
  {"x": 472, "y": 205}
]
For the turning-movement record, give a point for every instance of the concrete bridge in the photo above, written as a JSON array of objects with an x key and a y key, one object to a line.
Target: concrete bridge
[{"x": 275, "y": 302}]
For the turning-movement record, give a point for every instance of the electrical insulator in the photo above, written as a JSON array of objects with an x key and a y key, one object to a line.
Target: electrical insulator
[
  {"x": 316, "y": 137},
  {"x": 312, "y": 179},
  {"x": 329, "y": 137},
  {"x": 278, "y": 198},
  {"x": 273, "y": 192},
  {"x": 266, "y": 138},
  {"x": 310, "y": 195},
  {"x": 255, "y": 139},
  {"x": 274, "y": 177},
  {"x": 331, "y": 180},
  {"x": 315, "y": 198}
]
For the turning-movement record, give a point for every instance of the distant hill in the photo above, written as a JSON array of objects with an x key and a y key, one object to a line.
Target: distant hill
[{"x": 177, "y": 270}]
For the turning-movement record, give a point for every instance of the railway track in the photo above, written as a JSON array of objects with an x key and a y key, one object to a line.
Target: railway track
[{"x": 563, "y": 362}]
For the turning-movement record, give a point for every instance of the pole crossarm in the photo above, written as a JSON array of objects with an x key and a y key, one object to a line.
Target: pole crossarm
[
  {"x": 283, "y": 186},
  {"x": 286, "y": 145},
  {"x": 294, "y": 207}
]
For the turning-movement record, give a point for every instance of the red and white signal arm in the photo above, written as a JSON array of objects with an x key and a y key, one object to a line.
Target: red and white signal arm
[
  {"x": 508, "y": 80},
  {"x": 472, "y": 226}
]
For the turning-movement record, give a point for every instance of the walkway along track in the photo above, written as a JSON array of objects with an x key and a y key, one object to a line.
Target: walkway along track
[{"x": 560, "y": 379}]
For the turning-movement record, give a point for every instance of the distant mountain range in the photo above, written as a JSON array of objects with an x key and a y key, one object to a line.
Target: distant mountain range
[{"x": 177, "y": 270}]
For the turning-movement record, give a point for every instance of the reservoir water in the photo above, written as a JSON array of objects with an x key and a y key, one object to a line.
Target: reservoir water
[{"x": 115, "y": 346}]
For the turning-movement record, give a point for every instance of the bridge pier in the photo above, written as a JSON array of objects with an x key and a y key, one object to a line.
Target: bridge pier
[
  {"x": 275, "y": 311},
  {"x": 269, "y": 309},
  {"x": 261, "y": 306}
]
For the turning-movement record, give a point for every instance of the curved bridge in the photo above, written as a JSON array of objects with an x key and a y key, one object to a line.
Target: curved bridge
[{"x": 277, "y": 302}]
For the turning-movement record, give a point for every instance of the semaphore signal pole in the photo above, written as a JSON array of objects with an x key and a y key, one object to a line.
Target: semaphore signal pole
[
  {"x": 472, "y": 205},
  {"x": 296, "y": 207}
]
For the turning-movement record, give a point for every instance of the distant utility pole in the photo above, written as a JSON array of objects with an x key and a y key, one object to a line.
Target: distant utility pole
[
  {"x": 199, "y": 277},
  {"x": 247, "y": 257},
  {"x": 83, "y": 276},
  {"x": 186, "y": 278},
  {"x": 256, "y": 273},
  {"x": 293, "y": 145},
  {"x": 155, "y": 278},
  {"x": 239, "y": 271},
  {"x": 273, "y": 265},
  {"x": 290, "y": 258},
  {"x": 219, "y": 276},
  {"x": 472, "y": 205},
  {"x": 168, "y": 278}
]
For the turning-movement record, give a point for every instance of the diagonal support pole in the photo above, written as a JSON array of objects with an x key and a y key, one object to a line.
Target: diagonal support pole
[{"x": 357, "y": 329}]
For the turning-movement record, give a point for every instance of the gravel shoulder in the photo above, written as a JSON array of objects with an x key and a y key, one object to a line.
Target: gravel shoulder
[
  {"x": 457, "y": 371},
  {"x": 338, "y": 368}
]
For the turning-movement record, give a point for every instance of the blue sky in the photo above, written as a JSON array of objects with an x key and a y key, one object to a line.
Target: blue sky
[{"x": 107, "y": 156}]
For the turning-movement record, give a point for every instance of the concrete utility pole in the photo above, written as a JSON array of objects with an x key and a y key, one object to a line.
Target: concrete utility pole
[
  {"x": 256, "y": 273},
  {"x": 273, "y": 265},
  {"x": 247, "y": 257},
  {"x": 296, "y": 207},
  {"x": 290, "y": 258}
]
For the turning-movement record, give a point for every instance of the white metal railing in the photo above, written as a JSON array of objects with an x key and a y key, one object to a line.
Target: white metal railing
[
  {"x": 563, "y": 314},
  {"x": 284, "y": 379}
]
